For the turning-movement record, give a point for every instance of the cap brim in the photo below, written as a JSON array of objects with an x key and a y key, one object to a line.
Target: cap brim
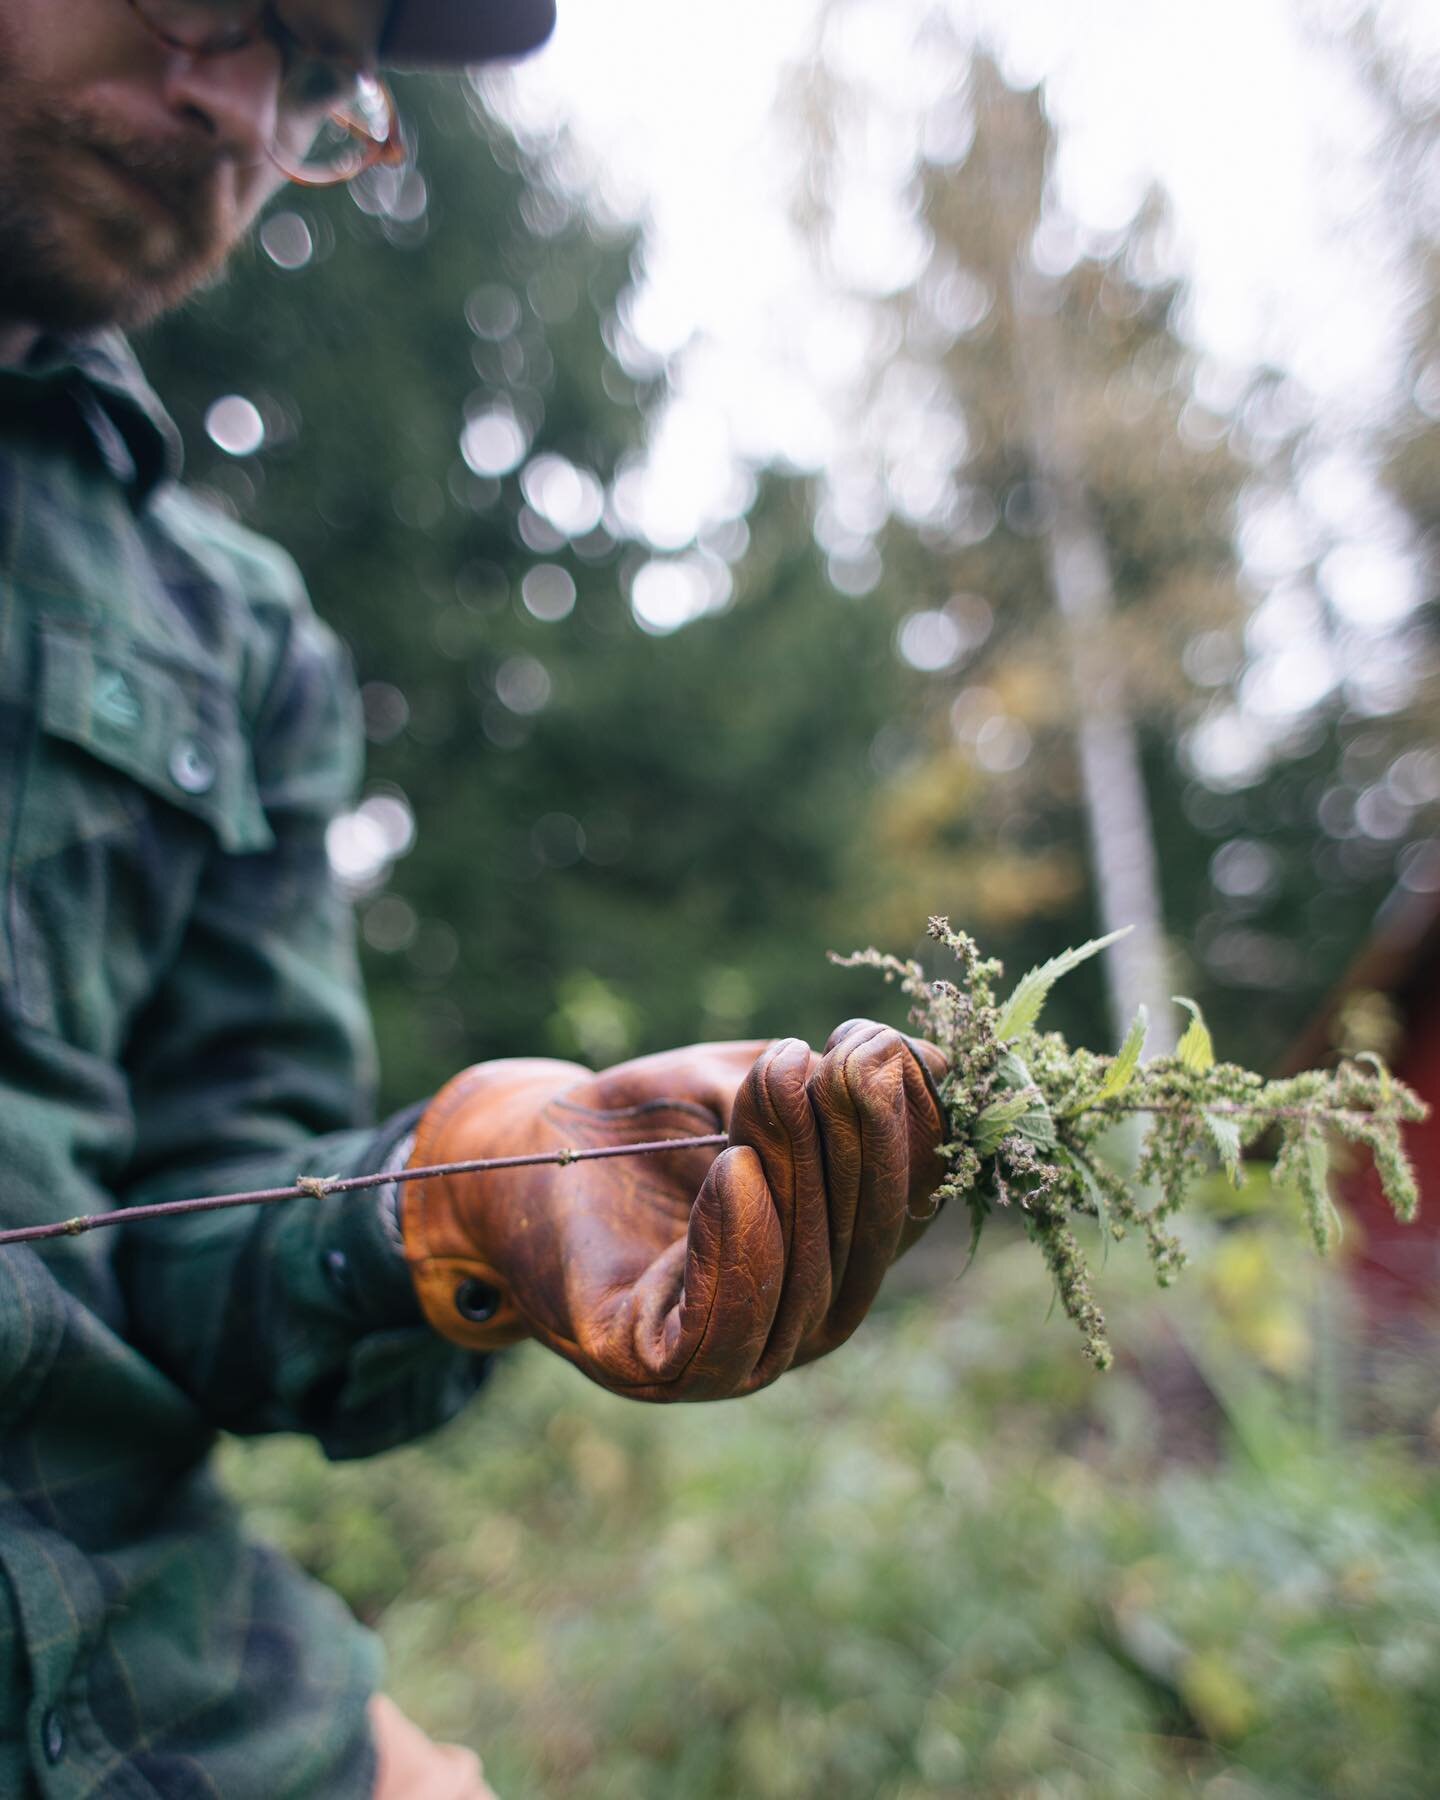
[{"x": 437, "y": 34}]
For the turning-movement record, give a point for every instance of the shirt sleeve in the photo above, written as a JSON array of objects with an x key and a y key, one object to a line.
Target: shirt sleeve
[{"x": 254, "y": 1065}]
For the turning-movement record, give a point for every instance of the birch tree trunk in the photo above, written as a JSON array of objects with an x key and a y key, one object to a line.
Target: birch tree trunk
[{"x": 1117, "y": 810}]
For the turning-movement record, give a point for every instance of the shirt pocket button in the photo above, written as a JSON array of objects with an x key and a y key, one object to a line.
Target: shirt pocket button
[
  {"x": 52, "y": 1736},
  {"x": 192, "y": 767}
]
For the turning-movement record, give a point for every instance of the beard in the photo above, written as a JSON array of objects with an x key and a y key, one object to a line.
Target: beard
[{"x": 99, "y": 227}]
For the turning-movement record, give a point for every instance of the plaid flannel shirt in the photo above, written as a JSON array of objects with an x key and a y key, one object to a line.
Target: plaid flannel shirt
[{"x": 179, "y": 1013}]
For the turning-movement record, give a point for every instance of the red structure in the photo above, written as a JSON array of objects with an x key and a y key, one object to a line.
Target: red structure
[{"x": 1395, "y": 1267}]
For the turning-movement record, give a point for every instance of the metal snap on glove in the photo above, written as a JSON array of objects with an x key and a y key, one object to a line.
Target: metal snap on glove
[{"x": 684, "y": 1276}]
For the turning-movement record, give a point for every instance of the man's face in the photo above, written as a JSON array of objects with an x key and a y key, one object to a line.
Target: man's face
[{"x": 128, "y": 171}]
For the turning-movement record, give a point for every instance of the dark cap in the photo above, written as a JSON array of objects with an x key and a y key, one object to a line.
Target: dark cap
[{"x": 430, "y": 34}]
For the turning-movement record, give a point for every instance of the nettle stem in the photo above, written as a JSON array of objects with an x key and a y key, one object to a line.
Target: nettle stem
[
  {"x": 1026, "y": 1113},
  {"x": 315, "y": 1187}
]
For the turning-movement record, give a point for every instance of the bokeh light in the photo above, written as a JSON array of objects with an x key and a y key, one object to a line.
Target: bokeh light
[
  {"x": 493, "y": 442},
  {"x": 548, "y": 593},
  {"x": 234, "y": 424}
]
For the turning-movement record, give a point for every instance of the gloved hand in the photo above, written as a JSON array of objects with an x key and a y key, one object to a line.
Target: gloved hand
[{"x": 685, "y": 1275}]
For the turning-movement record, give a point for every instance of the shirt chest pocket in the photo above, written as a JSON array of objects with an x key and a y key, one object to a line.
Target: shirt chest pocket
[{"x": 137, "y": 768}]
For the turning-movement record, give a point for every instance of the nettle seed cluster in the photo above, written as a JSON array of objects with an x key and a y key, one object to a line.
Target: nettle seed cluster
[{"x": 1026, "y": 1113}]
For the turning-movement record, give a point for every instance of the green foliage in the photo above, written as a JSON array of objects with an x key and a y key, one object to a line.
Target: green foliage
[
  {"x": 1027, "y": 1115},
  {"x": 1122, "y": 1070},
  {"x": 1196, "y": 1050},
  {"x": 941, "y": 1563},
  {"x": 1023, "y": 1008}
]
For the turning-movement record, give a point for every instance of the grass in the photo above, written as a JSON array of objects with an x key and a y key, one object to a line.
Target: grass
[{"x": 951, "y": 1560}]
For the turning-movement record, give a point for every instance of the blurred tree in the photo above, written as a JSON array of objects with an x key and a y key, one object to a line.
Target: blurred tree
[
  {"x": 1408, "y": 92},
  {"x": 1402, "y": 87},
  {"x": 622, "y": 837},
  {"x": 1044, "y": 436},
  {"x": 1328, "y": 785},
  {"x": 1061, "y": 538}
]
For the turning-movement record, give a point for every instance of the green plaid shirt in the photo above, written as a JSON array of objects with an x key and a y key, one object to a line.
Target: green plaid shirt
[{"x": 179, "y": 1014}]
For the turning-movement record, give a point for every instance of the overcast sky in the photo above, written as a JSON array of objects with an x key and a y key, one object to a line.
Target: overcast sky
[
  {"x": 1234, "y": 105},
  {"x": 1242, "y": 109}
]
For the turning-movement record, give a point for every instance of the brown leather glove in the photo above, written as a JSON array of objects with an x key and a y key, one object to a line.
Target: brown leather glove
[{"x": 688, "y": 1275}]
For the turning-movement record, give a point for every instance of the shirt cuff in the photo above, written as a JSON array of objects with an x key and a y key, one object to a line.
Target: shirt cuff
[
  {"x": 401, "y": 1378},
  {"x": 365, "y": 1254}
]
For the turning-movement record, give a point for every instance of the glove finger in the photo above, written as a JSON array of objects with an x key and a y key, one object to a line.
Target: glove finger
[
  {"x": 773, "y": 1116},
  {"x": 875, "y": 1099},
  {"x": 832, "y": 1105},
  {"x": 698, "y": 1320},
  {"x": 929, "y": 1128},
  {"x": 858, "y": 1097},
  {"x": 932, "y": 1063},
  {"x": 932, "y": 1069},
  {"x": 847, "y": 1028}
]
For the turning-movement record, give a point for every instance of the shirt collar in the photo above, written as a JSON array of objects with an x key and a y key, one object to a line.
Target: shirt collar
[{"x": 134, "y": 435}]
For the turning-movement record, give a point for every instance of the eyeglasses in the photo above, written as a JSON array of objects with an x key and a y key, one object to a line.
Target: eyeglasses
[{"x": 360, "y": 126}]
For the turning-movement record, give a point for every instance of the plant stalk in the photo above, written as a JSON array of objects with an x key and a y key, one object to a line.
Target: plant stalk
[{"x": 314, "y": 1187}]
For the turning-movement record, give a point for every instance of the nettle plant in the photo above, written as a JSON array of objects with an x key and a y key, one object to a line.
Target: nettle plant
[{"x": 1026, "y": 1114}]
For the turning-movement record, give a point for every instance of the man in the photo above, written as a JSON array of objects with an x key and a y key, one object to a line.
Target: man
[{"x": 179, "y": 1011}]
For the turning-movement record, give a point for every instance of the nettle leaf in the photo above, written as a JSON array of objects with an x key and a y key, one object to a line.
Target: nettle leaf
[
  {"x": 1325, "y": 1222},
  {"x": 1196, "y": 1049},
  {"x": 1036, "y": 1122},
  {"x": 1023, "y": 1008},
  {"x": 1122, "y": 1071},
  {"x": 979, "y": 1212},
  {"x": 1225, "y": 1135},
  {"x": 997, "y": 1121},
  {"x": 1096, "y": 1196}
]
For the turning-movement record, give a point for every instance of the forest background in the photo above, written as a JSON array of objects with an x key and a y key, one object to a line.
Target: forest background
[{"x": 1079, "y": 628}]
